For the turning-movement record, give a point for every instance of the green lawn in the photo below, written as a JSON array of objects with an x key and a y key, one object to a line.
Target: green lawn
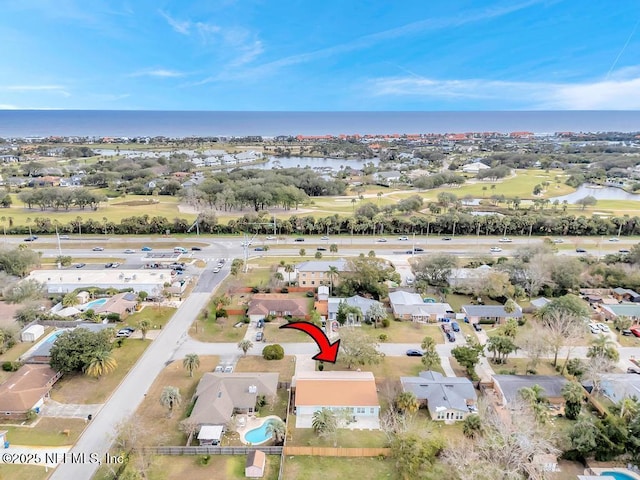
[
  {"x": 23, "y": 472},
  {"x": 389, "y": 368},
  {"x": 406, "y": 332},
  {"x": 47, "y": 432},
  {"x": 252, "y": 363},
  {"x": 323, "y": 468},
  {"x": 220, "y": 330},
  {"x": 79, "y": 388},
  {"x": 273, "y": 333},
  {"x": 519, "y": 366},
  {"x": 157, "y": 316},
  {"x": 306, "y": 437}
]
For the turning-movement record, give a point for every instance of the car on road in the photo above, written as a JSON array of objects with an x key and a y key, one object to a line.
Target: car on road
[
  {"x": 603, "y": 327},
  {"x": 179, "y": 250},
  {"x": 626, "y": 333},
  {"x": 477, "y": 327},
  {"x": 115, "y": 265},
  {"x": 195, "y": 249},
  {"x": 216, "y": 270},
  {"x": 403, "y": 239},
  {"x": 505, "y": 240},
  {"x": 129, "y": 250},
  {"x": 580, "y": 250},
  {"x": 624, "y": 250},
  {"x": 108, "y": 265},
  {"x": 299, "y": 239},
  {"x": 221, "y": 261},
  {"x": 80, "y": 265},
  {"x": 495, "y": 249},
  {"x": 415, "y": 250},
  {"x": 228, "y": 369},
  {"x": 64, "y": 237},
  {"x": 381, "y": 240},
  {"x": 259, "y": 336},
  {"x": 324, "y": 238},
  {"x": 146, "y": 249},
  {"x": 271, "y": 237},
  {"x": 446, "y": 239},
  {"x": 219, "y": 369},
  {"x": 258, "y": 249},
  {"x": 558, "y": 240},
  {"x": 633, "y": 370},
  {"x": 614, "y": 239},
  {"x": 321, "y": 249},
  {"x": 98, "y": 249},
  {"x": 32, "y": 238},
  {"x": 595, "y": 329},
  {"x": 414, "y": 353}
]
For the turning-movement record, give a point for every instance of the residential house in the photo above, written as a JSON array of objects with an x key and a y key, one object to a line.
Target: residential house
[
  {"x": 122, "y": 304},
  {"x": 507, "y": 387},
  {"x": 475, "y": 167},
  {"x": 26, "y": 390},
  {"x": 388, "y": 178},
  {"x": 46, "y": 181},
  {"x": 617, "y": 386},
  {"x": 278, "y": 305},
  {"x": 350, "y": 392},
  {"x": 210, "y": 434},
  {"x": 489, "y": 313},
  {"x": 361, "y": 303},
  {"x": 315, "y": 272},
  {"x": 538, "y": 303},
  {"x": 256, "y": 461},
  {"x": 630, "y": 310},
  {"x": 463, "y": 276},
  {"x": 626, "y": 295},
  {"x": 448, "y": 399},
  {"x": 220, "y": 395},
  {"x": 411, "y": 306}
]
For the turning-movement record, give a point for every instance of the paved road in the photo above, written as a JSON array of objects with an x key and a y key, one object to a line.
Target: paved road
[{"x": 98, "y": 436}]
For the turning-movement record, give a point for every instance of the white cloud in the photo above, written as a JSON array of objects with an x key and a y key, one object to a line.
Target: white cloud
[
  {"x": 617, "y": 93},
  {"x": 36, "y": 88},
  {"x": 160, "y": 72},
  {"x": 8, "y": 107},
  {"x": 181, "y": 26}
]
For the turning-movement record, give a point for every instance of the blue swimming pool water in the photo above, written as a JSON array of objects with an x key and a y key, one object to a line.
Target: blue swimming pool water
[
  {"x": 618, "y": 475},
  {"x": 52, "y": 338},
  {"x": 258, "y": 435},
  {"x": 95, "y": 303}
]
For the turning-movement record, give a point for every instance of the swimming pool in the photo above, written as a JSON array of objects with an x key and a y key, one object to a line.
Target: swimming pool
[
  {"x": 52, "y": 338},
  {"x": 94, "y": 303},
  {"x": 259, "y": 435},
  {"x": 617, "y": 475}
]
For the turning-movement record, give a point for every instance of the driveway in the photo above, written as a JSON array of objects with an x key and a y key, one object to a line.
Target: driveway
[{"x": 51, "y": 408}]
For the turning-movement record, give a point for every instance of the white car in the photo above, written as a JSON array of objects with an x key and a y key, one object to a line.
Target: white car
[
  {"x": 404, "y": 239},
  {"x": 614, "y": 239},
  {"x": 594, "y": 327},
  {"x": 271, "y": 237},
  {"x": 324, "y": 238},
  {"x": 505, "y": 240},
  {"x": 558, "y": 240},
  {"x": 129, "y": 250},
  {"x": 603, "y": 327},
  {"x": 495, "y": 249}
]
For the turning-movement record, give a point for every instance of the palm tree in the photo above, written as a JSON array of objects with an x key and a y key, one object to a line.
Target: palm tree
[
  {"x": 333, "y": 248},
  {"x": 629, "y": 408},
  {"x": 289, "y": 269},
  {"x": 324, "y": 422},
  {"x": 407, "y": 402},
  {"x": 144, "y": 326},
  {"x": 70, "y": 299},
  {"x": 573, "y": 394},
  {"x": 191, "y": 362},
  {"x": 277, "y": 429},
  {"x": 245, "y": 346},
  {"x": 472, "y": 425},
  {"x": 603, "y": 346},
  {"x": 302, "y": 252},
  {"x": 170, "y": 398},
  {"x": 333, "y": 273},
  {"x": 101, "y": 363},
  {"x": 430, "y": 359}
]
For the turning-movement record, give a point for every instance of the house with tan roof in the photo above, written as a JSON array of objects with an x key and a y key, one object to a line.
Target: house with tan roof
[
  {"x": 353, "y": 394},
  {"x": 278, "y": 305},
  {"x": 316, "y": 272},
  {"x": 220, "y": 395},
  {"x": 26, "y": 390}
]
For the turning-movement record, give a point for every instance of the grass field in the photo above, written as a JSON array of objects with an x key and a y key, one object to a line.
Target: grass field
[
  {"x": 322, "y": 468},
  {"x": 47, "y": 432},
  {"x": 82, "y": 389},
  {"x": 220, "y": 330},
  {"x": 157, "y": 316},
  {"x": 346, "y": 438},
  {"x": 23, "y": 472},
  {"x": 228, "y": 467},
  {"x": 284, "y": 367},
  {"x": 406, "y": 332},
  {"x": 390, "y": 367}
]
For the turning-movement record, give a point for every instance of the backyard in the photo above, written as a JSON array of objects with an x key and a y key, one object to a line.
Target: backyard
[
  {"x": 322, "y": 468},
  {"x": 252, "y": 363},
  {"x": 218, "y": 330},
  {"x": 157, "y": 316},
  {"x": 49, "y": 432}
]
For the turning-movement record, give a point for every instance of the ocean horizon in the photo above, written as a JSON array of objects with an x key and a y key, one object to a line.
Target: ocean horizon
[{"x": 140, "y": 123}]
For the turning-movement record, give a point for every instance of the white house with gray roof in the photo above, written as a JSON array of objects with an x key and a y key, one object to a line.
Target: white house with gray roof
[
  {"x": 362, "y": 303},
  {"x": 448, "y": 399},
  {"x": 411, "y": 306},
  {"x": 495, "y": 313}
]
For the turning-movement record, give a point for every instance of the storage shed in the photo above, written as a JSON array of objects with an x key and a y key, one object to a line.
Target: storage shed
[
  {"x": 256, "y": 461},
  {"x": 32, "y": 333}
]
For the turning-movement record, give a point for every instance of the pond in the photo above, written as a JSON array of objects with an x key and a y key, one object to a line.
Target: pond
[{"x": 600, "y": 193}]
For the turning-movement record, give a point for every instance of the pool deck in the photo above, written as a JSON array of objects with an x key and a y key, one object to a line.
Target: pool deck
[
  {"x": 251, "y": 422},
  {"x": 626, "y": 471}
]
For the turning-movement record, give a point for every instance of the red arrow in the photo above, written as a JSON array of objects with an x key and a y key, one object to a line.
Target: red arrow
[{"x": 328, "y": 351}]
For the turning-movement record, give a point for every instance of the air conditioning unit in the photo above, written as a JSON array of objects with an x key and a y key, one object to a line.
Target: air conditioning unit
[{"x": 253, "y": 389}]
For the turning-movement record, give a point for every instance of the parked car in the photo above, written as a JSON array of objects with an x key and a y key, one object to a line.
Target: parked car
[
  {"x": 580, "y": 250},
  {"x": 80, "y": 265},
  {"x": 259, "y": 337},
  {"x": 219, "y": 369},
  {"x": 228, "y": 369},
  {"x": 614, "y": 239},
  {"x": 299, "y": 239},
  {"x": 381, "y": 240},
  {"x": 445, "y": 328},
  {"x": 505, "y": 240},
  {"x": 595, "y": 329},
  {"x": 404, "y": 239},
  {"x": 495, "y": 249},
  {"x": 146, "y": 249},
  {"x": 477, "y": 327},
  {"x": 451, "y": 336},
  {"x": 271, "y": 237},
  {"x": 635, "y": 331},
  {"x": 196, "y": 249},
  {"x": 321, "y": 249},
  {"x": 409, "y": 281},
  {"x": 129, "y": 250},
  {"x": 260, "y": 323},
  {"x": 626, "y": 333},
  {"x": 624, "y": 250},
  {"x": 258, "y": 249},
  {"x": 324, "y": 238},
  {"x": 603, "y": 327},
  {"x": 125, "y": 332},
  {"x": 455, "y": 327},
  {"x": 633, "y": 370},
  {"x": 97, "y": 249},
  {"x": 446, "y": 239},
  {"x": 414, "y": 353}
]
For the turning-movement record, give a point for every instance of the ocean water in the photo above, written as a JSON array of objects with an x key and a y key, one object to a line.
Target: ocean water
[{"x": 38, "y": 123}]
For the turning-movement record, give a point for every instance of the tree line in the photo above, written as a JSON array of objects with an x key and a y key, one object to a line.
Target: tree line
[{"x": 61, "y": 198}]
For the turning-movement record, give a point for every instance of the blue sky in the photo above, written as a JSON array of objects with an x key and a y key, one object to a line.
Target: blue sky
[{"x": 334, "y": 55}]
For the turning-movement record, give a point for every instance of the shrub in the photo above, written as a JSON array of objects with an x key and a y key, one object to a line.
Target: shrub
[
  {"x": 113, "y": 317},
  {"x": 383, "y": 337},
  {"x": 385, "y": 322},
  {"x": 269, "y": 318},
  {"x": 246, "y": 319},
  {"x": 255, "y": 290},
  {"x": 273, "y": 352},
  {"x": 522, "y": 321},
  {"x": 11, "y": 366},
  {"x": 284, "y": 290},
  {"x": 205, "y": 459},
  {"x": 31, "y": 415}
]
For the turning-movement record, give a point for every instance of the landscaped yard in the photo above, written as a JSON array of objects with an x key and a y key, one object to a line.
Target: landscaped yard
[
  {"x": 157, "y": 316},
  {"x": 252, "y": 363},
  {"x": 23, "y": 472},
  {"x": 274, "y": 334},
  {"x": 518, "y": 366},
  {"x": 406, "y": 332},
  {"x": 82, "y": 389},
  {"x": 323, "y": 468},
  {"x": 389, "y": 367},
  {"x": 15, "y": 352},
  {"x": 47, "y": 432},
  {"x": 345, "y": 438},
  {"x": 220, "y": 330},
  {"x": 159, "y": 428}
]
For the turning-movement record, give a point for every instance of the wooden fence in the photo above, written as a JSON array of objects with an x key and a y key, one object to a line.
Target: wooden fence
[
  {"x": 337, "y": 452},
  {"x": 211, "y": 450}
]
